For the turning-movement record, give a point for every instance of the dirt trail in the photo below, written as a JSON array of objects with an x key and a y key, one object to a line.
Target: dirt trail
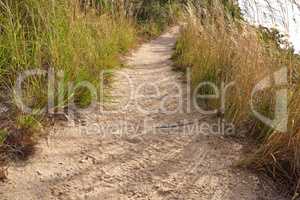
[{"x": 134, "y": 153}]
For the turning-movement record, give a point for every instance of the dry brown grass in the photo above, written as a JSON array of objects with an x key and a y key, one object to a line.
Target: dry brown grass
[{"x": 221, "y": 50}]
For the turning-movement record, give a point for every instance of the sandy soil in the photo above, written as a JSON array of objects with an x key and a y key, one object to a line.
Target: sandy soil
[{"x": 138, "y": 151}]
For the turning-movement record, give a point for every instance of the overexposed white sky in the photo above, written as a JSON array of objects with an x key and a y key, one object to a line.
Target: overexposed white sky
[{"x": 281, "y": 14}]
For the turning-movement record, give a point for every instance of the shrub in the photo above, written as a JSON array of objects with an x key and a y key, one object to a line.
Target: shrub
[{"x": 154, "y": 16}]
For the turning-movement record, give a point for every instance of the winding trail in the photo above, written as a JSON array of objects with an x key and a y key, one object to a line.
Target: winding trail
[{"x": 145, "y": 150}]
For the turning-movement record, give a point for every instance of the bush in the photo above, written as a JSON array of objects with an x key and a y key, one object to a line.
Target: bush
[{"x": 155, "y": 16}]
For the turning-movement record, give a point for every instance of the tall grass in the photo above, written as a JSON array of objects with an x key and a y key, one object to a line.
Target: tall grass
[
  {"x": 221, "y": 49},
  {"x": 55, "y": 35},
  {"x": 76, "y": 40}
]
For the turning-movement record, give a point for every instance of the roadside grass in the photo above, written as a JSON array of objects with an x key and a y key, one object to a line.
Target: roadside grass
[
  {"x": 68, "y": 43},
  {"x": 221, "y": 49},
  {"x": 52, "y": 36}
]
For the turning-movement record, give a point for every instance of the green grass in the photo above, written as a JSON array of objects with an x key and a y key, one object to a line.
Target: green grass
[
  {"x": 28, "y": 122},
  {"x": 56, "y": 35},
  {"x": 72, "y": 43},
  {"x": 49, "y": 38},
  {"x": 3, "y": 136}
]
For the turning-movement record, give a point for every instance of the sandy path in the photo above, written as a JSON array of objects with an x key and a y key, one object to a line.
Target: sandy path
[{"x": 134, "y": 153}]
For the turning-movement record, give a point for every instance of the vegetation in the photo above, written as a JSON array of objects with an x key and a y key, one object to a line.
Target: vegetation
[
  {"x": 220, "y": 48},
  {"x": 151, "y": 17},
  {"x": 68, "y": 43},
  {"x": 78, "y": 40},
  {"x": 155, "y": 16},
  {"x": 55, "y": 35}
]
